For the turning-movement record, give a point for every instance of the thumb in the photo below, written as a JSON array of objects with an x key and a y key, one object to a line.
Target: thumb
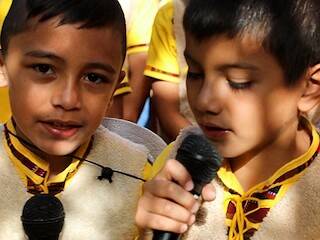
[{"x": 208, "y": 192}]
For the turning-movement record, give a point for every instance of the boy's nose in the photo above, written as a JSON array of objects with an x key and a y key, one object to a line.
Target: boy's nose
[
  {"x": 209, "y": 99},
  {"x": 67, "y": 96}
]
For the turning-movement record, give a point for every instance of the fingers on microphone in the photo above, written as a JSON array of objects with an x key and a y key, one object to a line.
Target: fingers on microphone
[
  {"x": 159, "y": 222},
  {"x": 166, "y": 208},
  {"x": 208, "y": 192},
  {"x": 166, "y": 203},
  {"x": 169, "y": 190},
  {"x": 174, "y": 170},
  {"x": 162, "y": 214}
]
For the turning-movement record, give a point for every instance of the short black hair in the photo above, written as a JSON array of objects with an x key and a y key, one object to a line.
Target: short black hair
[
  {"x": 87, "y": 13},
  {"x": 288, "y": 29}
]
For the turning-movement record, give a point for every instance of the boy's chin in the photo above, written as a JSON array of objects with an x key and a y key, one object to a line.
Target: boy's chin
[
  {"x": 59, "y": 149},
  {"x": 228, "y": 152}
]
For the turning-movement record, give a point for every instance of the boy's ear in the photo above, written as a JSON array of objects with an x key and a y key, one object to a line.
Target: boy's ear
[
  {"x": 121, "y": 77},
  {"x": 311, "y": 96},
  {"x": 3, "y": 73},
  {"x": 110, "y": 103}
]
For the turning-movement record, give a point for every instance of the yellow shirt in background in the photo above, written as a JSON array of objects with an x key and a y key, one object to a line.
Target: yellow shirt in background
[
  {"x": 162, "y": 62},
  {"x": 5, "y": 111},
  {"x": 4, "y": 8},
  {"x": 139, "y": 19}
]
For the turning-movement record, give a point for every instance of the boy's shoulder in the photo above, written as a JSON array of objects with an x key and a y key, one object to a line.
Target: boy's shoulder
[
  {"x": 106, "y": 140},
  {"x": 170, "y": 151},
  {"x": 112, "y": 150}
]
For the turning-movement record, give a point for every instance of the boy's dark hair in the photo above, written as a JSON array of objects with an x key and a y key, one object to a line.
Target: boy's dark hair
[
  {"x": 288, "y": 29},
  {"x": 87, "y": 13}
]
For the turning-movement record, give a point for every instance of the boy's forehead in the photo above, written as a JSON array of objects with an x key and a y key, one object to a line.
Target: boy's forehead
[
  {"x": 34, "y": 26},
  {"x": 225, "y": 55},
  {"x": 69, "y": 40},
  {"x": 35, "y": 22},
  {"x": 56, "y": 24},
  {"x": 247, "y": 44}
]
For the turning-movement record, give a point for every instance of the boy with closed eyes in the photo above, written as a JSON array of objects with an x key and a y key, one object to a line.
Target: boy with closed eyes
[{"x": 254, "y": 72}]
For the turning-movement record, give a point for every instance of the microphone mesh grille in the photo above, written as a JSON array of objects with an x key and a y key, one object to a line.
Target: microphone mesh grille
[
  {"x": 42, "y": 207},
  {"x": 200, "y": 158}
]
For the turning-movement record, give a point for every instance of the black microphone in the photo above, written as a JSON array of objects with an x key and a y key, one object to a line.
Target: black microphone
[
  {"x": 202, "y": 161},
  {"x": 43, "y": 217}
]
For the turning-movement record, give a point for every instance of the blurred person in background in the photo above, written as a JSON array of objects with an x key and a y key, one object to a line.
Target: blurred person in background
[
  {"x": 166, "y": 70},
  {"x": 4, "y": 100},
  {"x": 134, "y": 89}
]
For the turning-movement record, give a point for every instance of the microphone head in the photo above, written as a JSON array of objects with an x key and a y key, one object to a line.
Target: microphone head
[
  {"x": 200, "y": 158},
  {"x": 43, "y": 217}
]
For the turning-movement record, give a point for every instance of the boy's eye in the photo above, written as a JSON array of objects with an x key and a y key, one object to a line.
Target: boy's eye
[
  {"x": 43, "y": 68},
  {"x": 240, "y": 85},
  {"x": 95, "y": 78},
  {"x": 194, "y": 75}
]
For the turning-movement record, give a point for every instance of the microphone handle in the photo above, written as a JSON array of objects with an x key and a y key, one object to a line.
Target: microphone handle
[
  {"x": 161, "y": 235},
  {"x": 44, "y": 238}
]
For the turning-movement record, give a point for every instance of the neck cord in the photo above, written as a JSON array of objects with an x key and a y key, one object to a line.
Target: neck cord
[{"x": 106, "y": 172}]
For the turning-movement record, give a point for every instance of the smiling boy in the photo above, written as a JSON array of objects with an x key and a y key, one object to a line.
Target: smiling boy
[
  {"x": 254, "y": 72},
  {"x": 63, "y": 61}
]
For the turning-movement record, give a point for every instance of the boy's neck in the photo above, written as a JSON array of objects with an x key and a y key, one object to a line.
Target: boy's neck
[
  {"x": 56, "y": 163},
  {"x": 256, "y": 167}
]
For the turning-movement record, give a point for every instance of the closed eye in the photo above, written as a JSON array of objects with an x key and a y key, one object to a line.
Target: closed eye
[{"x": 240, "y": 85}]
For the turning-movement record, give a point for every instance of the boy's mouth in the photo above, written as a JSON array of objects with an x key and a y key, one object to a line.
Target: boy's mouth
[
  {"x": 62, "y": 124},
  {"x": 61, "y": 129},
  {"x": 213, "y": 131}
]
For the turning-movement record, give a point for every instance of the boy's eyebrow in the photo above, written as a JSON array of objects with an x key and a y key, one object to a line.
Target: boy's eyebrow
[
  {"x": 105, "y": 67},
  {"x": 223, "y": 67},
  {"x": 44, "y": 54},
  {"x": 241, "y": 65}
]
